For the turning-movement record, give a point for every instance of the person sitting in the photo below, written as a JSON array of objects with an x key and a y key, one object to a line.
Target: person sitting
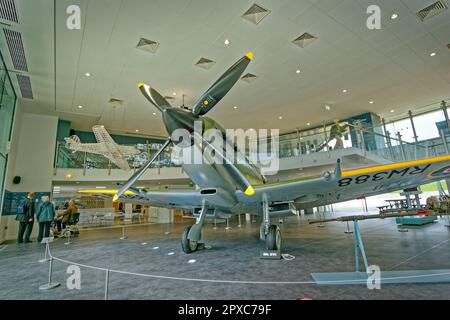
[
  {"x": 64, "y": 216},
  {"x": 44, "y": 216}
]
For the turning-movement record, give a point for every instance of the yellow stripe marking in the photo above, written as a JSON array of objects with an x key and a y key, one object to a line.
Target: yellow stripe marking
[{"x": 394, "y": 166}]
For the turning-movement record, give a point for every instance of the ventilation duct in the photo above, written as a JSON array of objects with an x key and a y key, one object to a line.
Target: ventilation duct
[
  {"x": 304, "y": 40},
  {"x": 25, "y": 86},
  {"x": 16, "y": 50},
  {"x": 249, "y": 78},
  {"x": 432, "y": 10},
  {"x": 205, "y": 63},
  {"x": 8, "y": 11},
  {"x": 255, "y": 14},
  {"x": 148, "y": 45}
]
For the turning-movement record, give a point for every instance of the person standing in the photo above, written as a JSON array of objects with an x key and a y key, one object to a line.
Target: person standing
[
  {"x": 26, "y": 219},
  {"x": 44, "y": 216}
]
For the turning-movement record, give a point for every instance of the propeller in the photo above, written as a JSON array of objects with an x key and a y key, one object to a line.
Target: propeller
[
  {"x": 140, "y": 172},
  {"x": 154, "y": 97},
  {"x": 232, "y": 170},
  {"x": 221, "y": 87}
]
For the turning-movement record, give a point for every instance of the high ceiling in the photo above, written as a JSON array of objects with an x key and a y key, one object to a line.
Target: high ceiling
[{"x": 391, "y": 67}]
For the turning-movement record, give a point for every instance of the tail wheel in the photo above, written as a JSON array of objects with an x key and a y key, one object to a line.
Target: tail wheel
[
  {"x": 273, "y": 238},
  {"x": 187, "y": 245}
]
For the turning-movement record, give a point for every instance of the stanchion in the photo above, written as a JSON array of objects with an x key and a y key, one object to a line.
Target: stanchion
[
  {"x": 68, "y": 237},
  {"x": 123, "y": 237},
  {"x": 47, "y": 250},
  {"x": 348, "y": 231},
  {"x": 215, "y": 224},
  {"x": 448, "y": 222},
  {"x": 167, "y": 228},
  {"x": 50, "y": 284},
  {"x": 320, "y": 225},
  {"x": 106, "y": 284},
  {"x": 228, "y": 226},
  {"x": 239, "y": 217}
]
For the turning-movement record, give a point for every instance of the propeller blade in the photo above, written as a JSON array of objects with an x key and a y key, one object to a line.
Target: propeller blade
[
  {"x": 221, "y": 87},
  {"x": 154, "y": 97},
  {"x": 139, "y": 173},
  {"x": 232, "y": 170}
]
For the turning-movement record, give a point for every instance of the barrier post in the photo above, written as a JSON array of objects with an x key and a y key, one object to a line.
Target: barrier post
[
  {"x": 50, "y": 284},
  {"x": 106, "y": 284}
]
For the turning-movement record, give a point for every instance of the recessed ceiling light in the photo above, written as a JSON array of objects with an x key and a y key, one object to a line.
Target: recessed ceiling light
[
  {"x": 280, "y": 117},
  {"x": 137, "y": 130},
  {"x": 69, "y": 175},
  {"x": 344, "y": 91},
  {"x": 327, "y": 107},
  {"x": 100, "y": 187},
  {"x": 394, "y": 16},
  {"x": 371, "y": 102},
  {"x": 80, "y": 107},
  {"x": 308, "y": 124},
  {"x": 297, "y": 71},
  {"x": 227, "y": 42},
  {"x": 154, "y": 113},
  {"x": 432, "y": 54},
  {"x": 392, "y": 111},
  {"x": 174, "y": 93},
  {"x": 87, "y": 74},
  {"x": 235, "y": 107}
]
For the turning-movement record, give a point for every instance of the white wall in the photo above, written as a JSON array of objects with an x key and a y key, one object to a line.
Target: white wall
[{"x": 31, "y": 157}]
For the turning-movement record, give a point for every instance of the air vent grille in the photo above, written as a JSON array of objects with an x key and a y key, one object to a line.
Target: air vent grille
[
  {"x": 255, "y": 14},
  {"x": 148, "y": 45},
  {"x": 115, "y": 102},
  {"x": 432, "y": 10},
  {"x": 25, "y": 86},
  {"x": 16, "y": 50},
  {"x": 249, "y": 77},
  {"x": 8, "y": 11},
  {"x": 304, "y": 40},
  {"x": 205, "y": 63}
]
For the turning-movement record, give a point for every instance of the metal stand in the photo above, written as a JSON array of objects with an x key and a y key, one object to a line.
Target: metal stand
[
  {"x": 215, "y": 224},
  {"x": 228, "y": 226},
  {"x": 50, "y": 284},
  {"x": 106, "y": 284},
  {"x": 167, "y": 229},
  {"x": 47, "y": 249},
  {"x": 123, "y": 237},
  {"x": 359, "y": 247},
  {"x": 239, "y": 218},
  {"x": 68, "y": 238},
  {"x": 348, "y": 231},
  {"x": 321, "y": 225}
]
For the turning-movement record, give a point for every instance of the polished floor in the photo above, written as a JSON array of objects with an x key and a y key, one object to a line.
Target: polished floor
[{"x": 230, "y": 265}]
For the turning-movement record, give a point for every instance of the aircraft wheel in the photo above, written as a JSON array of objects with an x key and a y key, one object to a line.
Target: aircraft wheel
[
  {"x": 187, "y": 245},
  {"x": 273, "y": 238}
]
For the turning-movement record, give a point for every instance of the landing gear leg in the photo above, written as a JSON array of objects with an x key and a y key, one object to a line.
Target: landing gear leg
[
  {"x": 271, "y": 232},
  {"x": 192, "y": 234}
]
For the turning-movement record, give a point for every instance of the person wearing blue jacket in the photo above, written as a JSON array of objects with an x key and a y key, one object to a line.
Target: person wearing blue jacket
[{"x": 45, "y": 216}]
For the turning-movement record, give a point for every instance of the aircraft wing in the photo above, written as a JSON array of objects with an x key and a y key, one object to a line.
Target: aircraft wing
[
  {"x": 348, "y": 185},
  {"x": 128, "y": 150},
  {"x": 97, "y": 148}
]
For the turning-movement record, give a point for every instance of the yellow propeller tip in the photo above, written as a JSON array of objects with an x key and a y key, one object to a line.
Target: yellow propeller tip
[
  {"x": 140, "y": 84},
  {"x": 115, "y": 198},
  {"x": 249, "y": 191},
  {"x": 249, "y": 55}
]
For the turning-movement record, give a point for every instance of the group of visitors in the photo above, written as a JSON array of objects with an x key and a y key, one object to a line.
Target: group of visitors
[{"x": 45, "y": 215}]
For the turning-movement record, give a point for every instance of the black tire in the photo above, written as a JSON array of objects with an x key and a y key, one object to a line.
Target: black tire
[
  {"x": 273, "y": 238},
  {"x": 187, "y": 245}
]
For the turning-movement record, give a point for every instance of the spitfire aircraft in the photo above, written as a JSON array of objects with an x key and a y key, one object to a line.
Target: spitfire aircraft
[
  {"x": 230, "y": 189},
  {"x": 105, "y": 146}
]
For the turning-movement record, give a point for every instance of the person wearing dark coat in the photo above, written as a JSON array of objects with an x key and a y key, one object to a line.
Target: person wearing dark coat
[
  {"x": 45, "y": 216},
  {"x": 26, "y": 219}
]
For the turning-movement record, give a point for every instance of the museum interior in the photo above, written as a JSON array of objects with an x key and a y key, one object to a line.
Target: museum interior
[{"x": 351, "y": 96}]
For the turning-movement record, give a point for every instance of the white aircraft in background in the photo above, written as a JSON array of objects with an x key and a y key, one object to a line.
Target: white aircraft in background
[{"x": 105, "y": 146}]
